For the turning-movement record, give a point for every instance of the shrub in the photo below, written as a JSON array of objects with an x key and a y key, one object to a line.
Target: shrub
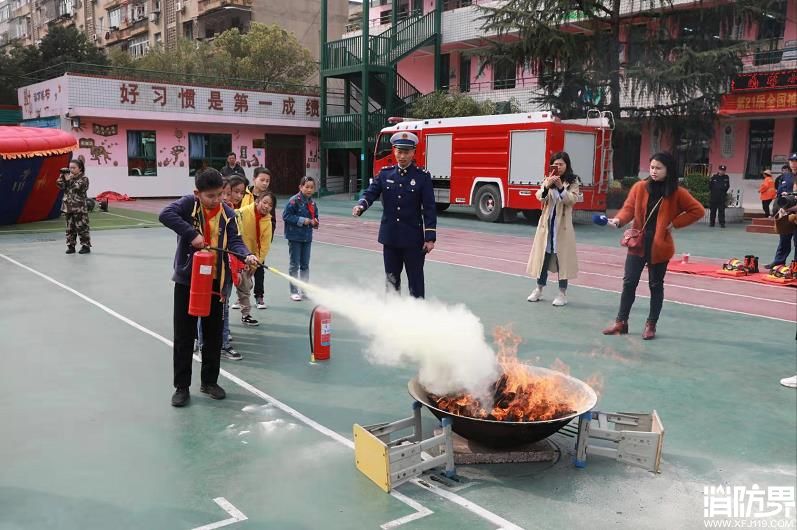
[
  {"x": 615, "y": 197},
  {"x": 698, "y": 186},
  {"x": 628, "y": 182}
]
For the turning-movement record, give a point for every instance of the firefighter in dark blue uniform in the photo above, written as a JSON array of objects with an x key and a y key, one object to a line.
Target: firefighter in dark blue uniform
[{"x": 409, "y": 219}]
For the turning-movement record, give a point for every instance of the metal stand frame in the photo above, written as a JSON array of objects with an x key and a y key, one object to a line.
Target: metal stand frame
[
  {"x": 638, "y": 437},
  {"x": 390, "y": 463}
]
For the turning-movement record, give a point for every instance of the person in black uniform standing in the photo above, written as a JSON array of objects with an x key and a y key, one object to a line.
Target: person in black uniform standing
[
  {"x": 718, "y": 186},
  {"x": 409, "y": 220}
]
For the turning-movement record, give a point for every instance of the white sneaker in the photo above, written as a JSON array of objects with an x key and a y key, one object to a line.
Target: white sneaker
[
  {"x": 296, "y": 297},
  {"x": 235, "y": 305},
  {"x": 560, "y": 300},
  {"x": 261, "y": 303},
  {"x": 790, "y": 382},
  {"x": 536, "y": 295}
]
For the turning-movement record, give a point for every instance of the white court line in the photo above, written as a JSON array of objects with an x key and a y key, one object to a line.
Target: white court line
[
  {"x": 578, "y": 285},
  {"x": 237, "y": 515},
  {"x": 142, "y": 221},
  {"x": 453, "y": 497}
]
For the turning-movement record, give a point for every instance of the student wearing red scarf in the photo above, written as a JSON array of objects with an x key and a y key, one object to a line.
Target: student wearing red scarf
[
  {"x": 254, "y": 224},
  {"x": 201, "y": 220},
  {"x": 301, "y": 218}
]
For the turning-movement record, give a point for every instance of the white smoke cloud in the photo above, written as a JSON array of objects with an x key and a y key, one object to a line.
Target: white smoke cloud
[{"x": 445, "y": 342}]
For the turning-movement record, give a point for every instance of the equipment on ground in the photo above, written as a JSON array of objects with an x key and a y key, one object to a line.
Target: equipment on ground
[{"x": 320, "y": 333}]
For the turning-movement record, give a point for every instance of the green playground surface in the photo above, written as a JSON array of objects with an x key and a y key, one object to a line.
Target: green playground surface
[{"x": 89, "y": 439}]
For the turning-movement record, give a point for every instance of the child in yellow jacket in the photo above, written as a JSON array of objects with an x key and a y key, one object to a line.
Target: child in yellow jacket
[{"x": 254, "y": 224}]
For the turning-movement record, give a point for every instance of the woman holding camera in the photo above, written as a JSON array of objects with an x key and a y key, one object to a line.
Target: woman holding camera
[
  {"x": 656, "y": 205},
  {"x": 554, "y": 247},
  {"x": 75, "y": 185}
]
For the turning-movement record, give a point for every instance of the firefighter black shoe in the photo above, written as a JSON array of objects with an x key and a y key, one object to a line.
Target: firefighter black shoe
[
  {"x": 249, "y": 321},
  {"x": 70, "y": 250},
  {"x": 180, "y": 397},
  {"x": 84, "y": 250},
  {"x": 213, "y": 390}
]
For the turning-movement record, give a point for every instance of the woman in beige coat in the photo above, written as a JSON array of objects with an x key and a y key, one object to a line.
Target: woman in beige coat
[{"x": 554, "y": 247}]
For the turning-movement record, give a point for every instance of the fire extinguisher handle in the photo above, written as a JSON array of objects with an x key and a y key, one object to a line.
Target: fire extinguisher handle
[{"x": 239, "y": 256}]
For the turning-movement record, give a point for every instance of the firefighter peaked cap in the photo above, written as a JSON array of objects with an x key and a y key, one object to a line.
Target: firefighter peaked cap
[{"x": 404, "y": 140}]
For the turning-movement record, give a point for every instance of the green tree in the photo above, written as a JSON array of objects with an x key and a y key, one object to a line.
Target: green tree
[
  {"x": 673, "y": 68},
  {"x": 23, "y": 65},
  {"x": 443, "y": 104},
  {"x": 267, "y": 53}
]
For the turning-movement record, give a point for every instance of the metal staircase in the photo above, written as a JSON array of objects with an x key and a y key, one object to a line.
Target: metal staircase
[{"x": 373, "y": 90}]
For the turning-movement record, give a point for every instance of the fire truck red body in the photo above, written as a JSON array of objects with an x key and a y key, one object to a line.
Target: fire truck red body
[{"x": 496, "y": 163}]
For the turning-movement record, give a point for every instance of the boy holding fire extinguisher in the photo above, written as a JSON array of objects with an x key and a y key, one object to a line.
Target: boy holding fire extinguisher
[{"x": 201, "y": 220}]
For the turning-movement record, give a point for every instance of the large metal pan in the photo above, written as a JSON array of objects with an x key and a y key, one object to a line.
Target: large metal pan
[{"x": 511, "y": 433}]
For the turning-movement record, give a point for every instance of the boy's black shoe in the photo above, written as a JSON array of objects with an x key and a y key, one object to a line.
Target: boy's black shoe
[
  {"x": 231, "y": 354},
  {"x": 70, "y": 250},
  {"x": 249, "y": 321},
  {"x": 180, "y": 397},
  {"x": 84, "y": 250},
  {"x": 213, "y": 390}
]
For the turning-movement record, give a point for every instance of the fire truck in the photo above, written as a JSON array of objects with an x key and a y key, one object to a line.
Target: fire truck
[{"x": 497, "y": 163}]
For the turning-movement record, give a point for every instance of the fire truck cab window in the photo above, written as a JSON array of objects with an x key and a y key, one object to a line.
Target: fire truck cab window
[{"x": 383, "y": 147}]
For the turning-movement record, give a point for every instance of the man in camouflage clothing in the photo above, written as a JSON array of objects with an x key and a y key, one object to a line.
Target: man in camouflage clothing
[{"x": 75, "y": 184}]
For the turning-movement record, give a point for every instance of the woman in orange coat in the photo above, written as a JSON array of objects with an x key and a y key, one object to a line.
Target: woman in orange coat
[
  {"x": 665, "y": 206},
  {"x": 766, "y": 192}
]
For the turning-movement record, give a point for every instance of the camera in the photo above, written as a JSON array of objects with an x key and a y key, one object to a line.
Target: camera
[
  {"x": 64, "y": 170},
  {"x": 786, "y": 201}
]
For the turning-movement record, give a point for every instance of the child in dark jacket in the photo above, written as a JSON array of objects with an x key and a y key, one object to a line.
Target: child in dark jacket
[
  {"x": 200, "y": 220},
  {"x": 301, "y": 218}
]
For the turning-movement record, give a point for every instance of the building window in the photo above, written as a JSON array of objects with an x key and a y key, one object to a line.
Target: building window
[
  {"x": 448, "y": 5},
  {"x": 188, "y": 30},
  {"x": 207, "y": 150},
  {"x": 115, "y": 17},
  {"x": 636, "y": 44},
  {"x": 445, "y": 71},
  {"x": 141, "y": 154},
  {"x": 138, "y": 46},
  {"x": 504, "y": 73},
  {"x": 158, "y": 39},
  {"x": 63, "y": 8},
  {"x": 464, "y": 73},
  {"x": 759, "y": 147}
]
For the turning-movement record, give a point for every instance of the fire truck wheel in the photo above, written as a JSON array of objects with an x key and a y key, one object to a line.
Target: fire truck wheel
[
  {"x": 488, "y": 203},
  {"x": 441, "y": 206}
]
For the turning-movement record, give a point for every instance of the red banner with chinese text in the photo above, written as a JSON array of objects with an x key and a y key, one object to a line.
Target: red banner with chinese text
[{"x": 768, "y": 102}]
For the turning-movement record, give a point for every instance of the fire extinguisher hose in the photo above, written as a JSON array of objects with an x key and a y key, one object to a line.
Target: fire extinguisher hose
[
  {"x": 243, "y": 258},
  {"x": 310, "y": 330}
]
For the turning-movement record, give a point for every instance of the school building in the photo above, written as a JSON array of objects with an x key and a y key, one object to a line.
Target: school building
[
  {"x": 148, "y": 139},
  {"x": 440, "y": 45}
]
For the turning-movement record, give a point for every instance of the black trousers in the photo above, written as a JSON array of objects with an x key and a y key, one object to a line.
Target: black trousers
[
  {"x": 185, "y": 333},
  {"x": 634, "y": 265},
  {"x": 715, "y": 207},
  {"x": 409, "y": 258},
  {"x": 259, "y": 274},
  {"x": 765, "y": 205}
]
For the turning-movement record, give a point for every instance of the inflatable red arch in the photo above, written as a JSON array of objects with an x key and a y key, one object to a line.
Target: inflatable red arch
[{"x": 29, "y": 162}]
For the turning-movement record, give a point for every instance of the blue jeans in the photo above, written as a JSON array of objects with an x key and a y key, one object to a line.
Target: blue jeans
[
  {"x": 543, "y": 279},
  {"x": 784, "y": 248},
  {"x": 299, "y": 252},
  {"x": 225, "y": 330}
]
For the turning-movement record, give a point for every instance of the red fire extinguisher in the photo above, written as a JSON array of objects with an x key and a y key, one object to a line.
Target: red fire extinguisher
[
  {"x": 320, "y": 333},
  {"x": 201, "y": 284}
]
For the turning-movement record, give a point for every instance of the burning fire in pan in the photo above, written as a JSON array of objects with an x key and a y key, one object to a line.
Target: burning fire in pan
[{"x": 518, "y": 395}]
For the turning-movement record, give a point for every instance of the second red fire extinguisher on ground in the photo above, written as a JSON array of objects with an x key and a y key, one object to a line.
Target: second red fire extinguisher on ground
[{"x": 320, "y": 333}]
